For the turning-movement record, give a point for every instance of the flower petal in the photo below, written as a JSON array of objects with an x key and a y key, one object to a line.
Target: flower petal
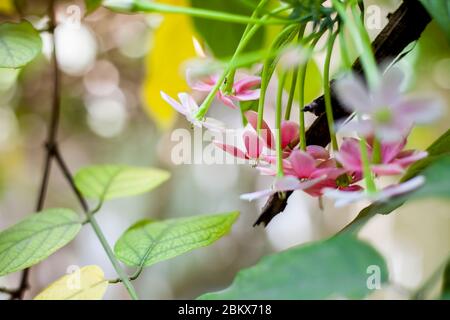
[
  {"x": 302, "y": 163},
  {"x": 391, "y": 169},
  {"x": 402, "y": 188},
  {"x": 318, "y": 152},
  {"x": 349, "y": 155},
  {"x": 226, "y": 100},
  {"x": 175, "y": 104},
  {"x": 234, "y": 151},
  {"x": 420, "y": 109},
  {"x": 289, "y": 133},
  {"x": 256, "y": 195},
  {"x": 253, "y": 144},
  {"x": 408, "y": 157},
  {"x": 266, "y": 133},
  {"x": 353, "y": 94},
  {"x": 246, "y": 83}
]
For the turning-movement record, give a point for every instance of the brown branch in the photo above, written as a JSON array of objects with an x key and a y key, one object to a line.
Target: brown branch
[
  {"x": 405, "y": 26},
  {"x": 49, "y": 147}
]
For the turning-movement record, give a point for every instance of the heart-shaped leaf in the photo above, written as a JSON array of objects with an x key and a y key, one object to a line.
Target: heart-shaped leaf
[
  {"x": 35, "y": 238},
  {"x": 148, "y": 242},
  {"x": 113, "y": 181},
  {"x": 19, "y": 44}
]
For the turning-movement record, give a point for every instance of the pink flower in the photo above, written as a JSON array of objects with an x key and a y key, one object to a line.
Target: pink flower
[
  {"x": 344, "y": 198},
  {"x": 387, "y": 113},
  {"x": 242, "y": 89},
  {"x": 189, "y": 108},
  {"x": 253, "y": 147},
  {"x": 289, "y": 132},
  {"x": 305, "y": 166},
  {"x": 286, "y": 183},
  {"x": 394, "y": 159}
]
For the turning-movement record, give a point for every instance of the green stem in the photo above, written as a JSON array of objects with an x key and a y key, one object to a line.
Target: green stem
[
  {"x": 301, "y": 94},
  {"x": 376, "y": 151},
  {"x": 327, "y": 91},
  {"x": 279, "y": 108},
  {"x": 242, "y": 44},
  {"x": 362, "y": 42},
  {"x": 368, "y": 179},
  {"x": 230, "y": 77},
  {"x": 344, "y": 50},
  {"x": 294, "y": 80},
  {"x": 122, "y": 275},
  {"x": 150, "y": 6}
]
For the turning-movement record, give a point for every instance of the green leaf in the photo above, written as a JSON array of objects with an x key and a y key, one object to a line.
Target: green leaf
[
  {"x": 339, "y": 267},
  {"x": 92, "y": 5},
  {"x": 440, "y": 11},
  {"x": 222, "y": 37},
  {"x": 437, "y": 184},
  {"x": 35, "y": 238},
  {"x": 148, "y": 242},
  {"x": 19, "y": 44},
  {"x": 105, "y": 182}
]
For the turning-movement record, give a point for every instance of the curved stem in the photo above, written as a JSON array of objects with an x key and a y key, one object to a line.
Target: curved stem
[
  {"x": 150, "y": 6},
  {"x": 93, "y": 222},
  {"x": 327, "y": 91},
  {"x": 362, "y": 42}
]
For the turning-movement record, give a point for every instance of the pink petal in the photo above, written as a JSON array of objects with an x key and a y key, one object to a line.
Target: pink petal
[
  {"x": 318, "y": 152},
  {"x": 344, "y": 198},
  {"x": 407, "y": 157},
  {"x": 266, "y": 133},
  {"x": 389, "y": 90},
  {"x": 234, "y": 151},
  {"x": 175, "y": 104},
  {"x": 289, "y": 133},
  {"x": 353, "y": 94},
  {"x": 420, "y": 109},
  {"x": 226, "y": 100},
  {"x": 302, "y": 163},
  {"x": 204, "y": 85},
  {"x": 387, "y": 169},
  {"x": 247, "y": 95},
  {"x": 188, "y": 102},
  {"x": 349, "y": 155},
  {"x": 400, "y": 189},
  {"x": 253, "y": 144},
  {"x": 256, "y": 195},
  {"x": 290, "y": 183},
  {"x": 390, "y": 150},
  {"x": 246, "y": 83}
]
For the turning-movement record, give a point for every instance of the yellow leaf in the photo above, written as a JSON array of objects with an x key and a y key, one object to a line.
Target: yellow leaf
[
  {"x": 87, "y": 283},
  {"x": 6, "y": 6},
  {"x": 172, "y": 46}
]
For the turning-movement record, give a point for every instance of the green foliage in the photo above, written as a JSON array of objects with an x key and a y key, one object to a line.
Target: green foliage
[
  {"x": 148, "y": 242},
  {"x": 19, "y": 44},
  {"x": 92, "y": 5},
  {"x": 105, "y": 182},
  {"x": 223, "y": 37},
  {"x": 35, "y": 238},
  {"x": 334, "y": 268},
  {"x": 440, "y": 11}
]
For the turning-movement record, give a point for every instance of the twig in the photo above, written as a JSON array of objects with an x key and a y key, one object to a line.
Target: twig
[
  {"x": 405, "y": 25},
  {"x": 93, "y": 222},
  {"x": 50, "y": 143}
]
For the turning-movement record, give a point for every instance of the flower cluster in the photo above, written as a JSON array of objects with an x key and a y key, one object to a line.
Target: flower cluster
[{"x": 384, "y": 118}]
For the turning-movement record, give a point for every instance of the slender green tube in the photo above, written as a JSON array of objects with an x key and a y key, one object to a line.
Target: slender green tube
[
  {"x": 327, "y": 91},
  {"x": 362, "y": 41},
  {"x": 294, "y": 80},
  {"x": 151, "y": 6},
  {"x": 279, "y": 108},
  {"x": 230, "y": 77},
  {"x": 368, "y": 178}
]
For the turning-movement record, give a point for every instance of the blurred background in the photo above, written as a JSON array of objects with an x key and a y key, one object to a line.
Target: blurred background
[{"x": 113, "y": 69}]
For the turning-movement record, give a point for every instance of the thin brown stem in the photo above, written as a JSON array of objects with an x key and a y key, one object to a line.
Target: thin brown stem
[{"x": 49, "y": 146}]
